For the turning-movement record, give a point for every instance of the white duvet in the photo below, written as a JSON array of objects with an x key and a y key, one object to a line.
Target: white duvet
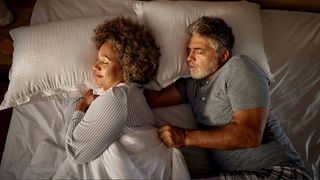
[{"x": 139, "y": 155}]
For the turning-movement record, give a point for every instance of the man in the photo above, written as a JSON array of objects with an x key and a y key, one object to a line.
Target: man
[{"x": 231, "y": 103}]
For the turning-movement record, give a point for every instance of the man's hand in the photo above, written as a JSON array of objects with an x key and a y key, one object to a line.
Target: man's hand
[
  {"x": 86, "y": 101},
  {"x": 172, "y": 136}
]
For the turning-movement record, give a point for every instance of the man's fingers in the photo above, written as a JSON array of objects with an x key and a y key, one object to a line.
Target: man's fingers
[
  {"x": 167, "y": 141},
  {"x": 165, "y": 135},
  {"x": 164, "y": 128},
  {"x": 172, "y": 136}
]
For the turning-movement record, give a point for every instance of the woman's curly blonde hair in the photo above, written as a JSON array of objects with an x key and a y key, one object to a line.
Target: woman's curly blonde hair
[{"x": 138, "y": 51}]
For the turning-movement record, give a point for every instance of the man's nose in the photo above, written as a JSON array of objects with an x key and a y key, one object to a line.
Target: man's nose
[{"x": 190, "y": 56}]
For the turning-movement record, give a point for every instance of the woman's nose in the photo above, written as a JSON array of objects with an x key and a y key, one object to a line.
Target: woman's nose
[{"x": 95, "y": 66}]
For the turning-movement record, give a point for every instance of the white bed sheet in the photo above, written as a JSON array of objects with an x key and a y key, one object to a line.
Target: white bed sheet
[
  {"x": 35, "y": 141},
  {"x": 32, "y": 126},
  {"x": 292, "y": 43}
]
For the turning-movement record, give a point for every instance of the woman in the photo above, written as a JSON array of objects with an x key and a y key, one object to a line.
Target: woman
[{"x": 111, "y": 133}]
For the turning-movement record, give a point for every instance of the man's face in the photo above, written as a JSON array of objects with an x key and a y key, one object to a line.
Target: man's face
[{"x": 202, "y": 57}]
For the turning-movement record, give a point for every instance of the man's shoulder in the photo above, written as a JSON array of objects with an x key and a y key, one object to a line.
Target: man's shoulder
[
  {"x": 240, "y": 59},
  {"x": 238, "y": 62}
]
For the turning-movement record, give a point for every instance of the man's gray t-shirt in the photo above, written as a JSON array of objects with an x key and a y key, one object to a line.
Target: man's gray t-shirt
[{"x": 240, "y": 84}]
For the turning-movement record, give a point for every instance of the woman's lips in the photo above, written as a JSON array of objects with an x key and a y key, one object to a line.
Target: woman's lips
[{"x": 96, "y": 76}]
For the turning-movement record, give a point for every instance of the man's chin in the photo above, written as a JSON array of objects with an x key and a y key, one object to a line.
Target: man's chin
[{"x": 197, "y": 76}]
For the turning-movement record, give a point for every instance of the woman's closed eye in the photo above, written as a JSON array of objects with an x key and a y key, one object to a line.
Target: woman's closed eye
[{"x": 103, "y": 60}]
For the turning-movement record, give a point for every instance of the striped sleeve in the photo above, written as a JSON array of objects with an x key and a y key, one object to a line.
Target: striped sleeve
[{"x": 90, "y": 133}]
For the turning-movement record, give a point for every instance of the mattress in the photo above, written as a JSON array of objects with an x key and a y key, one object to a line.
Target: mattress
[{"x": 35, "y": 140}]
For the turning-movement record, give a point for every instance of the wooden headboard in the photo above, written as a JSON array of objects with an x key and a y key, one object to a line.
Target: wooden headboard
[{"x": 292, "y": 5}]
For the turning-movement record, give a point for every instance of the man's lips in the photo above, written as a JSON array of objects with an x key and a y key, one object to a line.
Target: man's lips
[{"x": 192, "y": 66}]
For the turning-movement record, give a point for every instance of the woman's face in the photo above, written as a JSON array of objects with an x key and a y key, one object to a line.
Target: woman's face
[{"x": 107, "y": 70}]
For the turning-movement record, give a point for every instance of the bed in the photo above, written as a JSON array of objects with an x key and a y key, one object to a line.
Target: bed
[{"x": 43, "y": 85}]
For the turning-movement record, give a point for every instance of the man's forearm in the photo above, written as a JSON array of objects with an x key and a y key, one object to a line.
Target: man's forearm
[{"x": 228, "y": 137}]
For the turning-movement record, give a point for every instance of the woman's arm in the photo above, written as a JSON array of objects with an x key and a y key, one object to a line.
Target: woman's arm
[
  {"x": 90, "y": 133},
  {"x": 86, "y": 101}
]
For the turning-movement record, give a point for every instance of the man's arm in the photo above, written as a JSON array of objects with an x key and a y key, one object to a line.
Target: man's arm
[
  {"x": 165, "y": 97},
  {"x": 244, "y": 131}
]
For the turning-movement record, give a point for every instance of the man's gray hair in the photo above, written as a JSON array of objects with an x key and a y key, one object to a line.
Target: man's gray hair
[{"x": 216, "y": 30}]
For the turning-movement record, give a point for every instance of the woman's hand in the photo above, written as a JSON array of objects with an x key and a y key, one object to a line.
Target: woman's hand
[{"x": 86, "y": 101}]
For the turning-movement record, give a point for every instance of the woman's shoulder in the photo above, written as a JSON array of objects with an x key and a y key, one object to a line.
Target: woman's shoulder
[
  {"x": 121, "y": 90},
  {"x": 128, "y": 87},
  {"x": 125, "y": 88}
]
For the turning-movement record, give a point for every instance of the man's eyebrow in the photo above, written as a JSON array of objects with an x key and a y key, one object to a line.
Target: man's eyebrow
[{"x": 195, "y": 47}]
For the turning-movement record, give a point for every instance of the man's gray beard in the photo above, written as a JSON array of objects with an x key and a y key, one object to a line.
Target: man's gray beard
[{"x": 200, "y": 75}]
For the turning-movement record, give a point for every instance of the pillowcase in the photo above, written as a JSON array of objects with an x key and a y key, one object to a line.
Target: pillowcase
[
  {"x": 48, "y": 10},
  {"x": 168, "y": 20},
  {"x": 52, "y": 60}
]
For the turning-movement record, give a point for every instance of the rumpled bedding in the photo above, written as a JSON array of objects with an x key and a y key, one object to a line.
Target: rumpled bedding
[
  {"x": 35, "y": 141},
  {"x": 138, "y": 155},
  {"x": 292, "y": 45}
]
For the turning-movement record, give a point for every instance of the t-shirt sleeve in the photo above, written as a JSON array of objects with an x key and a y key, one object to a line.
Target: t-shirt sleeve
[
  {"x": 181, "y": 86},
  {"x": 89, "y": 134},
  {"x": 247, "y": 85}
]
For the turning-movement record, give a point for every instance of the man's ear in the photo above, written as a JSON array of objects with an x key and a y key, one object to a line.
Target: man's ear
[{"x": 225, "y": 56}]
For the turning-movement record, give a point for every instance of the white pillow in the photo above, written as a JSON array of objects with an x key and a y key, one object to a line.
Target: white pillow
[
  {"x": 52, "y": 60},
  {"x": 53, "y": 10},
  {"x": 168, "y": 20}
]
